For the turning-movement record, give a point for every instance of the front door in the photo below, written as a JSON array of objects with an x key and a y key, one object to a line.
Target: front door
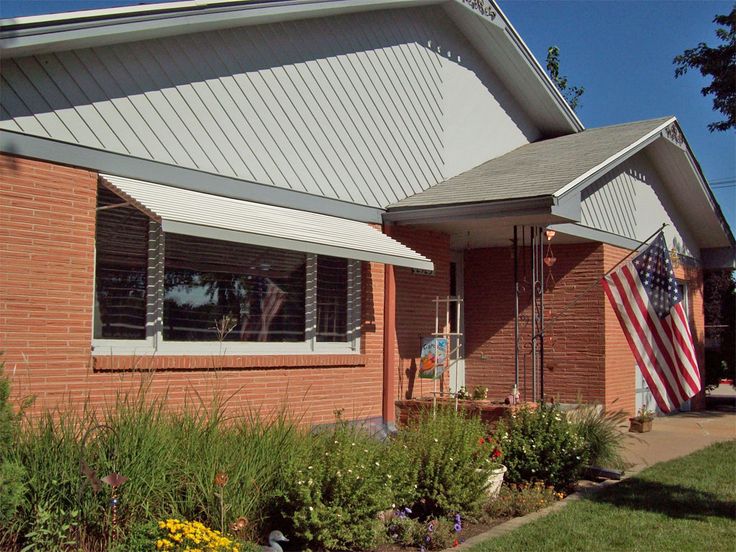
[{"x": 457, "y": 362}]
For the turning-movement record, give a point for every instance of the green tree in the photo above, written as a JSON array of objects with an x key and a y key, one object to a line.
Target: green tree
[
  {"x": 570, "y": 93},
  {"x": 719, "y": 298},
  {"x": 719, "y": 63}
]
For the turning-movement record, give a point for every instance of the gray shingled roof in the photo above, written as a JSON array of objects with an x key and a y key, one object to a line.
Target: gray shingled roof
[{"x": 533, "y": 170}]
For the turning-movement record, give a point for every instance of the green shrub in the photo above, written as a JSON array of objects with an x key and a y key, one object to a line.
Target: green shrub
[
  {"x": 433, "y": 534},
  {"x": 12, "y": 490},
  {"x": 170, "y": 460},
  {"x": 336, "y": 489},
  {"x": 52, "y": 528},
  {"x": 520, "y": 500},
  {"x": 140, "y": 537},
  {"x": 540, "y": 444},
  {"x": 451, "y": 470},
  {"x": 601, "y": 430}
]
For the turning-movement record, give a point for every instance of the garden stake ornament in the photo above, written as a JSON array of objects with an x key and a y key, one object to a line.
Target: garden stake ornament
[{"x": 114, "y": 480}]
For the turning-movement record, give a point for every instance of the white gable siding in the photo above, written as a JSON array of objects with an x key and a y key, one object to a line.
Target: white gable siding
[
  {"x": 367, "y": 108},
  {"x": 632, "y": 201}
]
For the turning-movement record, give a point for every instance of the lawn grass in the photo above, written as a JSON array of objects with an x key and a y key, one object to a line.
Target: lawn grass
[{"x": 685, "y": 504}]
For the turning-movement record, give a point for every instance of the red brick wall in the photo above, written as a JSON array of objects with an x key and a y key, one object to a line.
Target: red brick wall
[
  {"x": 415, "y": 309},
  {"x": 46, "y": 283},
  {"x": 620, "y": 363},
  {"x": 586, "y": 353},
  {"x": 574, "y": 344}
]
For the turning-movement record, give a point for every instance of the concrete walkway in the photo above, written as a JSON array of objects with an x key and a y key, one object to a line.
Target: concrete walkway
[
  {"x": 671, "y": 437},
  {"x": 678, "y": 435}
]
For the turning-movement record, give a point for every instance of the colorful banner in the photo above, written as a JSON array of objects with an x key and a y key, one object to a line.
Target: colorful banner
[{"x": 433, "y": 359}]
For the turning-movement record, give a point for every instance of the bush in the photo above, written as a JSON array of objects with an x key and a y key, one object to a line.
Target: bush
[
  {"x": 452, "y": 471},
  {"x": 540, "y": 444},
  {"x": 433, "y": 534},
  {"x": 520, "y": 500},
  {"x": 601, "y": 431},
  {"x": 12, "y": 490},
  {"x": 337, "y": 487},
  {"x": 170, "y": 461}
]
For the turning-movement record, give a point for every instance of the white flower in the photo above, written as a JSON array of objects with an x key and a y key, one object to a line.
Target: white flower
[
  {"x": 393, "y": 505},
  {"x": 352, "y": 444},
  {"x": 310, "y": 482},
  {"x": 350, "y": 471},
  {"x": 337, "y": 443},
  {"x": 300, "y": 482},
  {"x": 309, "y": 467},
  {"x": 311, "y": 509},
  {"x": 377, "y": 464},
  {"x": 338, "y": 473},
  {"x": 436, "y": 440},
  {"x": 388, "y": 475}
]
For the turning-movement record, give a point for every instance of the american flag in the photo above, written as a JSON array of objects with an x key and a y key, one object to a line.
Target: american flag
[{"x": 644, "y": 294}]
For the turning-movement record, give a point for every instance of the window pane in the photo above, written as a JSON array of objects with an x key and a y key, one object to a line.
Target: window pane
[
  {"x": 120, "y": 272},
  {"x": 216, "y": 290},
  {"x": 332, "y": 299}
]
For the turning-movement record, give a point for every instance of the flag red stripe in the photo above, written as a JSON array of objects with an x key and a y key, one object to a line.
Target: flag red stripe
[
  {"x": 667, "y": 364},
  {"x": 622, "y": 318},
  {"x": 687, "y": 340},
  {"x": 647, "y": 334},
  {"x": 689, "y": 366}
]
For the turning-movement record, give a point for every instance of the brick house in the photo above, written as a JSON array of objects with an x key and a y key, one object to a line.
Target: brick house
[{"x": 263, "y": 199}]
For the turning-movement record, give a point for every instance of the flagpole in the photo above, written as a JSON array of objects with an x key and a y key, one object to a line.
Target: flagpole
[{"x": 594, "y": 284}]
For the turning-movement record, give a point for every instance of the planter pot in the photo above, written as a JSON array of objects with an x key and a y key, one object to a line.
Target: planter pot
[
  {"x": 640, "y": 426},
  {"x": 495, "y": 479}
]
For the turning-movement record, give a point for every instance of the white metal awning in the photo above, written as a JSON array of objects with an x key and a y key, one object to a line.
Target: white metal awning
[{"x": 204, "y": 215}]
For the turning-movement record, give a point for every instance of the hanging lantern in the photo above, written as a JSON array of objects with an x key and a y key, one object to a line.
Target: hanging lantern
[
  {"x": 550, "y": 260},
  {"x": 550, "y": 234}
]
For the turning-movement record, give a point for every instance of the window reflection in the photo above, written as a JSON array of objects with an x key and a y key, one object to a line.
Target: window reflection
[
  {"x": 121, "y": 241},
  {"x": 216, "y": 290},
  {"x": 332, "y": 299}
]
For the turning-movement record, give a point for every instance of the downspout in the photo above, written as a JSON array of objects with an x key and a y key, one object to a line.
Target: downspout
[{"x": 389, "y": 333}]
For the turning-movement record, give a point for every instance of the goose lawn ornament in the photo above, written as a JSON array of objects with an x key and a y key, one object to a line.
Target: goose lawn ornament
[{"x": 274, "y": 538}]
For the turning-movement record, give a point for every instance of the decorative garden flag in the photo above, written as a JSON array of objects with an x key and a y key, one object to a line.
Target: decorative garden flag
[
  {"x": 644, "y": 294},
  {"x": 433, "y": 358}
]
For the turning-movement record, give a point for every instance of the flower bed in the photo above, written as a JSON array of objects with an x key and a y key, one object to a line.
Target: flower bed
[{"x": 410, "y": 410}]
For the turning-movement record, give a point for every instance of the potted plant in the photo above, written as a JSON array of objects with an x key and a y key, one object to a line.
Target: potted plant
[
  {"x": 490, "y": 451},
  {"x": 642, "y": 422}
]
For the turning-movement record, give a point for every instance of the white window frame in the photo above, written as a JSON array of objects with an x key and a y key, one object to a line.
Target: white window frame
[{"x": 154, "y": 343}]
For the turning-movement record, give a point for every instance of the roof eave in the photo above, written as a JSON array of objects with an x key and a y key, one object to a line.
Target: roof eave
[{"x": 34, "y": 35}]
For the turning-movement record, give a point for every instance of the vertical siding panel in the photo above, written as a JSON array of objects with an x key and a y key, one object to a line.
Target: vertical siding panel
[
  {"x": 116, "y": 83},
  {"x": 59, "y": 103},
  {"x": 180, "y": 125},
  {"x": 37, "y": 104},
  {"x": 261, "y": 113},
  {"x": 87, "y": 77},
  {"x": 358, "y": 107},
  {"x": 17, "y": 110},
  {"x": 82, "y": 103}
]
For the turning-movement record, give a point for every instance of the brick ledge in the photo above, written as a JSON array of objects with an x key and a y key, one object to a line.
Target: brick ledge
[{"x": 119, "y": 363}]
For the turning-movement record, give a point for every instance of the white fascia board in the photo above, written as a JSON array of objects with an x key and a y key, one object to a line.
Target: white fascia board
[
  {"x": 19, "y": 37},
  {"x": 613, "y": 160},
  {"x": 550, "y": 87}
]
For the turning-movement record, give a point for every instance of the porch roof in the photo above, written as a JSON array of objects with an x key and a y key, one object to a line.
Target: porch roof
[{"x": 544, "y": 168}]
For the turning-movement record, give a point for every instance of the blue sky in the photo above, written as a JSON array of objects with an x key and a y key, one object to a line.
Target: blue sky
[{"x": 620, "y": 51}]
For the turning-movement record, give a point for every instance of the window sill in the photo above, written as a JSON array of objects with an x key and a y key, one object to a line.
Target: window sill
[{"x": 145, "y": 363}]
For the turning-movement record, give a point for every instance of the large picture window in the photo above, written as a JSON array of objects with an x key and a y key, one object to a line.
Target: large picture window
[
  {"x": 221, "y": 291},
  {"x": 173, "y": 293}
]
